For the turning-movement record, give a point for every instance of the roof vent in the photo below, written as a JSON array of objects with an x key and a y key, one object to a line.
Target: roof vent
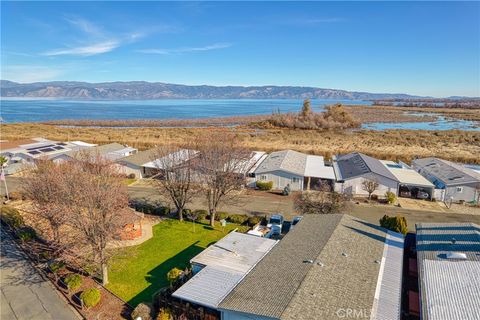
[
  {"x": 307, "y": 261},
  {"x": 344, "y": 254},
  {"x": 454, "y": 240},
  {"x": 377, "y": 261},
  {"x": 320, "y": 264},
  {"x": 457, "y": 256}
]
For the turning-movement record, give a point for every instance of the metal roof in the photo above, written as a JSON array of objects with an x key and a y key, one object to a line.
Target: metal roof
[
  {"x": 449, "y": 288},
  {"x": 315, "y": 167},
  {"x": 449, "y": 173},
  {"x": 226, "y": 263},
  {"x": 356, "y": 164},
  {"x": 174, "y": 158},
  {"x": 326, "y": 263},
  {"x": 406, "y": 175}
]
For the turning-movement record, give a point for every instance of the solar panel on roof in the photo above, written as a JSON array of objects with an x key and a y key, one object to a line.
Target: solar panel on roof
[
  {"x": 33, "y": 152},
  {"x": 61, "y": 144},
  {"x": 58, "y": 148},
  {"x": 47, "y": 150},
  {"x": 39, "y": 147}
]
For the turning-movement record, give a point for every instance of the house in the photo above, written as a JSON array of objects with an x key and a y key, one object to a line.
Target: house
[
  {"x": 457, "y": 182},
  {"x": 146, "y": 163},
  {"x": 410, "y": 182},
  {"x": 220, "y": 267},
  {"x": 295, "y": 169},
  {"x": 352, "y": 169},
  {"x": 448, "y": 263},
  {"x": 325, "y": 266},
  {"x": 110, "y": 151},
  {"x": 22, "y": 154}
]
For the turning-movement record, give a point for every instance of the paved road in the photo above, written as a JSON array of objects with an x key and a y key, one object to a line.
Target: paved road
[{"x": 24, "y": 293}]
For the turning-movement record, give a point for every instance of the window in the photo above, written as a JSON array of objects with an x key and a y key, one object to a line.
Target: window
[
  {"x": 263, "y": 177},
  {"x": 294, "y": 179},
  {"x": 459, "y": 189}
]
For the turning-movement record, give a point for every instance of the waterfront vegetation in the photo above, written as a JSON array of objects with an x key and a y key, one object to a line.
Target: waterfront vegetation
[
  {"x": 405, "y": 145},
  {"x": 136, "y": 273}
]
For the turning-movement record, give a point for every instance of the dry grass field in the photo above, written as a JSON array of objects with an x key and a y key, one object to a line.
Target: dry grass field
[{"x": 462, "y": 146}]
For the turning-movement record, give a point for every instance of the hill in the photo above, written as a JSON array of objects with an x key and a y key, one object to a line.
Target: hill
[{"x": 138, "y": 90}]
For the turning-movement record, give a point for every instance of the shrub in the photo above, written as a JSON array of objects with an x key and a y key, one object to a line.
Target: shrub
[
  {"x": 238, "y": 218},
  {"x": 90, "y": 297},
  {"x": 390, "y": 196},
  {"x": 374, "y": 197},
  {"x": 11, "y": 216},
  {"x": 174, "y": 274},
  {"x": 162, "y": 211},
  {"x": 165, "y": 314},
  {"x": 15, "y": 195},
  {"x": 26, "y": 234},
  {"x": 56, "y": 266},
  {"x": 73, "y": 281},
  {"x": 264, "y": 185},
  {"x": 143, "y": 311},
  {"x": 397, "y": 224},
  {"x": 252, "y": 221},
  {"x": 186, "y": 212},
  {"x": 221, "y": 216},
  {"x": 131, "y": 176},
  {"x": 201, "y": 214}
]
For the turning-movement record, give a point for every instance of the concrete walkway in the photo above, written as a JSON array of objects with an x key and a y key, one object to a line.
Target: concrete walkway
[{"x": 24, "y": 293}]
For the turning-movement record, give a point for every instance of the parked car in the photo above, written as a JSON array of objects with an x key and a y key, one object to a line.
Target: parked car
[
  {"x": 405, "y": 193},
  {"x": 275, "y": 224},
  {"x": 422, "y": 195}
]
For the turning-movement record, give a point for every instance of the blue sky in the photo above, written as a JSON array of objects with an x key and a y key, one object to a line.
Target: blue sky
[{"x": 425, "y": 48}]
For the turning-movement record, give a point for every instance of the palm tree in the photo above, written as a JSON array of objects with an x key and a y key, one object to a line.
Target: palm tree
[{"x": 3, "y": 163}]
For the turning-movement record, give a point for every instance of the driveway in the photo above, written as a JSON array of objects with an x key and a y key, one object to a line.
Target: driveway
[{"x": 24, "y": 293}]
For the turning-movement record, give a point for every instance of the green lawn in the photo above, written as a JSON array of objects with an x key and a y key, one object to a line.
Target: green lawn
[{"x": 136, "y": 273}]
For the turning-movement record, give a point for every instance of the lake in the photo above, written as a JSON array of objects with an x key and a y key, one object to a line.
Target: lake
[
  {"x": 24, "y": 110},
  {"x": 21, "y": 110}
]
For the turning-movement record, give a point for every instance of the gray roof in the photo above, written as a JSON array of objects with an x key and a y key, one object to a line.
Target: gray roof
[
  {"x": 344, "y": 272},
  {"x": 356, "y": 164},
  {"x": 449, "y": 288},
  {"x": 286, "y": 160},
  {"x": 227, "y": 262},
  {"x": 447, "y": 172},
  {"x": 141, "y": 157},
  {"x": 101, "y": 150}
]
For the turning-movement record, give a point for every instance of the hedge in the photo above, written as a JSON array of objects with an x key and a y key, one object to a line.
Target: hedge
[
  {"x": 264, "y": 185},
  {"x": 238, "y": 218},
  {"x": 90, "y": 297}
]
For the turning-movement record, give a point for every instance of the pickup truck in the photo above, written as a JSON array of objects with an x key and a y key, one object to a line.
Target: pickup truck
[{"x": 275, "y": 224}]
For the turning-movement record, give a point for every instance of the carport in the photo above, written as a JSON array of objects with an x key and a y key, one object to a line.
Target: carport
[
  {"x": 409, "y": 179},
  {"x": 316, "y": 172}
]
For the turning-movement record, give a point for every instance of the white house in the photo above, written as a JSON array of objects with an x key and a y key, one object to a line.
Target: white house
[
  {"x": 457, "y": 182},
  {"x": 295, "y": 169}
]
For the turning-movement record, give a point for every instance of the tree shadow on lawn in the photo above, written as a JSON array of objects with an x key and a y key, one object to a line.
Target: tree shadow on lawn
[{"x": 157, "y": 277}]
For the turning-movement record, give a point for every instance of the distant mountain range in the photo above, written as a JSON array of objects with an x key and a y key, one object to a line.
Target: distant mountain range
[{"x": 141, "y": 90}]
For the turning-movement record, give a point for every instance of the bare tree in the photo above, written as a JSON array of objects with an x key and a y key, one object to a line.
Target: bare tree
[
  {"x": 98, "y": 201},
  {"x": 370, "y": 186},
  {"x": 221, "y": 166},
  {"x": 176, "y": 179},
  {"x": 320, "y": 202},
  {"x": 44, "y": 187}
]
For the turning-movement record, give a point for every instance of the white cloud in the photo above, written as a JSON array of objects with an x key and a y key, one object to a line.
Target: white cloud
[
  {"x": 85, "y": 26},
  {"x": 88, "y": 50},
  {"x": 214, "y": 46},
  {"x": 30, "y": 73}
]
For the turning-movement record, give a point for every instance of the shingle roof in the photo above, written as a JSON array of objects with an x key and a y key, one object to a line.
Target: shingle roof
[
  {"x": 344, "y": 274},
  {"x": 449, "y": 173},
  {"x": 140, "y": 158},
  {"x": 356, "y": 164},
  {"x": 286, "y": 160},
  {"x": 449, "y": 288}
]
